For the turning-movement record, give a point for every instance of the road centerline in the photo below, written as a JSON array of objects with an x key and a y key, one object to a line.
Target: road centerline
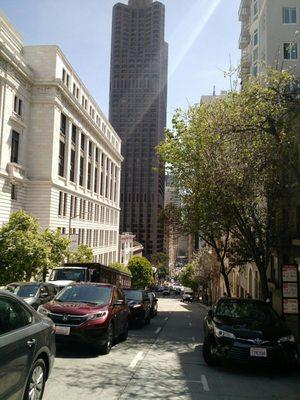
[
  {"x": 204, "y": 383},
  {"x": 157, "y": 330},
  {"x": 139, "y": 356}
]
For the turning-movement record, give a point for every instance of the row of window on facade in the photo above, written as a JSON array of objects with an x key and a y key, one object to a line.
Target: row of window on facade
[
  {"x": 66, "y": 78},
  {"x": 85, "y": 210},
  {"x": 105, "y": 177},
  {"x": 95, "y": 238}
]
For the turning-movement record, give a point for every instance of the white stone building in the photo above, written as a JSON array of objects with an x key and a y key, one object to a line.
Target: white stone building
[
  {"x": 59, "y": 156},
  {"x": 269, "y": 35},
  {"x": 129, "y": 247}
]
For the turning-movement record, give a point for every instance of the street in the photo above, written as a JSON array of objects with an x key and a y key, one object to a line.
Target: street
[{"x": 163, "y": 361}]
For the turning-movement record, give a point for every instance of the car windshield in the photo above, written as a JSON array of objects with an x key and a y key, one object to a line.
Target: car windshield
[
  {"x": 134, "y": 295},
  {"x": 68, "y": 274},
  {"x": 26, "y": 290},
  {"x": 85, "y": 294},
  {"x": 245, "y": 310}
]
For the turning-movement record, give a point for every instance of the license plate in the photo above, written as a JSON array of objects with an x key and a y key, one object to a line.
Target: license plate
[
  {"x": 62, "y": 330},
  {"x": 258, "y": 352}
]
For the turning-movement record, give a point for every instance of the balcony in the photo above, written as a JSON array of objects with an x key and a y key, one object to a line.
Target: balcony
[
  {"x": 16, "y": 173},
  {"x": 244, "y": 39},
  {"x": 244, "y": 10}
]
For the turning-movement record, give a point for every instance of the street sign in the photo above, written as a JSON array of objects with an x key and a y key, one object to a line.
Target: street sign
[
  {"x": 290, "y": 293},
  {"x": 74, "y": 241}
]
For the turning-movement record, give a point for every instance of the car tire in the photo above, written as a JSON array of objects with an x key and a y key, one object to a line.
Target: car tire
[
  {"x": 209, "y": 358},
  {"x": 124, "y": 335},
  {"x": 36, "y": 380},
  {"x": 105, "y": 349},
  {"x": 141, "y": 323},
  {"x": 148, "y": 319}
]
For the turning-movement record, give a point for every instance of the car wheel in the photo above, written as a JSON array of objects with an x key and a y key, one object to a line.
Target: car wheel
[
  {"x": 105, "y": 349},
  {"x": 141, "y": 323},
  {"x": 148, "y": 319},
  {"x": 124, "y": 335},
  {"x": 36, "y": 381},
  {"x": 207, "y": 351}
]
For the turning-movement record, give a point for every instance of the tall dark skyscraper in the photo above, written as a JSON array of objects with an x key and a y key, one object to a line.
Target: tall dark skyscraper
[{"x": 138, "y": 103}]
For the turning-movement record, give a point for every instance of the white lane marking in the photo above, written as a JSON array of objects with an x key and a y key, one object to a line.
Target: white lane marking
[
  {"x": 193, "y": 338},
  {"x": 136, "y": 359},
  {"x": 204, "y": 383},
  {"x": 166, "y": 319},
  {"x": 158, "y": 330}
]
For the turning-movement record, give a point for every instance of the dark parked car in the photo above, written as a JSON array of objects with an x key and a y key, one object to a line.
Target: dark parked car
[
  {"x": 247, "y": 331},
  {"x": 93, "y": 313},
  {"x": 153, "y": 304},
  {"x": 34, "y": 293},
  {"x": 27, "y": 349},
  {"x": 139, "y": 305}
]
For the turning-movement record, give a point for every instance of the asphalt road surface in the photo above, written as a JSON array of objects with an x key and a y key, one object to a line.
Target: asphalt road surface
[{"x": 163, "y": 361}]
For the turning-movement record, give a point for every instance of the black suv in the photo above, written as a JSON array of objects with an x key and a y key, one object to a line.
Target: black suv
[
  {"x": 34, "y": 293},
  {"x": 27, "y": 349},
  {"x": 247, "y": 331},
  {"x": 139, "y": 305}
]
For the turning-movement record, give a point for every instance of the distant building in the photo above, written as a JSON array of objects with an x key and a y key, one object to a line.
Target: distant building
[
  {"x": 129, "y": 247},
  {"x": 138, "y": 101},
  {"x": 270, "y": 35},
  {"x": 176, "y": 244},
  {"x": 208, "y": 99},
  {"x": 59, "y": 156}
]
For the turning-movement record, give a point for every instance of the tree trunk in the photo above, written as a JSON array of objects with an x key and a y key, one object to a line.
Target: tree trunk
[
  {"x": 227, "y": 284},
  {"x": 264, "y": 283}
]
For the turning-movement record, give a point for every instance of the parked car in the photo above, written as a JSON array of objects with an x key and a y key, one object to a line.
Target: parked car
[
  {"x": 187, "y": 296},
  {"x": 34, "y": 293},
  {"x": 153, "y": 304},
  {"x": 93, "y": 313},
  {"x": 27, "y": 349},
  {"x": 247, "y": 331},
  {"x": 139, "y": 305}
]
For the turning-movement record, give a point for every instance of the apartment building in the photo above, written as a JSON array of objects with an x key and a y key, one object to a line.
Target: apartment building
[
  {"x": 60, "y": 158},
  {"x": 270, "y": 35}
]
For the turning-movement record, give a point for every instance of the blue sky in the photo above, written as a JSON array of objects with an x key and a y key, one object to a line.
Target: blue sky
[{"x": 201, "y": 36}]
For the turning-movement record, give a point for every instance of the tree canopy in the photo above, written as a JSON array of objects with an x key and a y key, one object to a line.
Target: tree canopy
[
  {"x": 231, "y": 163},
  {"x": 141, "y": 271},
  {"x": 26, "y": 251},
  {"x": 83, "y": 254}
]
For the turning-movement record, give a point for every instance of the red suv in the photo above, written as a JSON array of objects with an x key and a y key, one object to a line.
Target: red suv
[{"x": 91, "y": 312}]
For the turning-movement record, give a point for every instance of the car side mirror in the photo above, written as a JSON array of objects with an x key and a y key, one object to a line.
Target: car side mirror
[
  {"x": 210, "y": 313},
  {"x": 119, "y": 303}
]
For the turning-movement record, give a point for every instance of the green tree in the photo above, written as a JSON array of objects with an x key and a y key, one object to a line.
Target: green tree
[
  {"x": 121, "y": 267},
  {"x": 57, "y": 250},
  {"x": 141, "y": 271},
  {"x": 187, "y": 277},
  {"x": 83, "y": 254},
  {"x": 22, "y": 248},
  {"x": 234, "y": 164}
]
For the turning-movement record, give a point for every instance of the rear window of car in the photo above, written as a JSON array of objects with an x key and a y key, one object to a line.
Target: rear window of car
[
  {"x": 85, "y": 294},
  {"x": 245, "y": 310},
  {"x": 133, "y": 295},
  {"x": 27, "y": 290}
]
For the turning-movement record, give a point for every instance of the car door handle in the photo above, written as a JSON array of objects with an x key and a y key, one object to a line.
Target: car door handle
[{"x": 31, "y": 343}]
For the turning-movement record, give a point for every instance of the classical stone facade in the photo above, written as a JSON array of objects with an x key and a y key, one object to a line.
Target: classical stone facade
[{"x": 59, "y": 156}]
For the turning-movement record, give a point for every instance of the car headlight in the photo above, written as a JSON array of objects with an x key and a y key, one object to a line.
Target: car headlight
[
  {"x": 101, "y": 314},
  {"x": 223, "y": 334},
  {"x": 42, "y": 310},
  {"x": 287, "y": 339}
]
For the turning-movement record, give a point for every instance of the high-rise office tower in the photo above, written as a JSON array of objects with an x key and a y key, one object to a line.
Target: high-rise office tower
[{"x": 138, "y": 97}]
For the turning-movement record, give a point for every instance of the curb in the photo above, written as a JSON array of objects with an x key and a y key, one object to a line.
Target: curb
[{"x": 204, "y": 306}]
